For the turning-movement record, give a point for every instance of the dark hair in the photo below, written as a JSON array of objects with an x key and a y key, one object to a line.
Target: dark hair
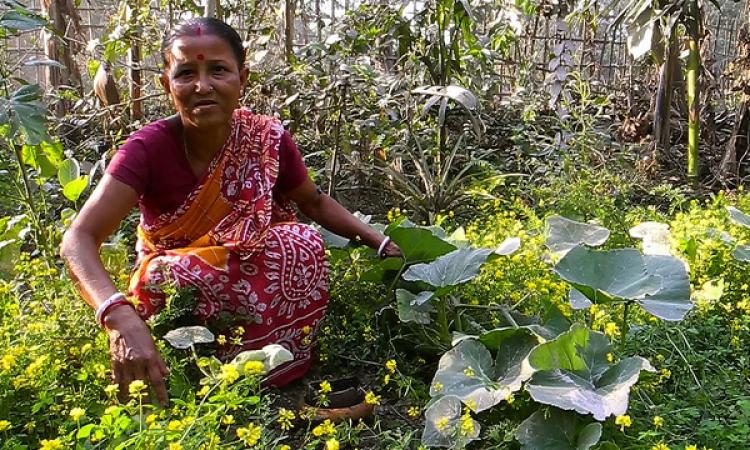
[{"x": 207, "y": 25}]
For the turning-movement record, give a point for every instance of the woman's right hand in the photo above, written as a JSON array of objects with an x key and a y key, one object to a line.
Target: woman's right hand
[{"x": 133, "y": 353}]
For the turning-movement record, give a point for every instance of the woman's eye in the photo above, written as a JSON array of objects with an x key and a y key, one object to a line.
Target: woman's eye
[
  {"x": 182, "y": 73},
  {"x": 220, "y": 69}
]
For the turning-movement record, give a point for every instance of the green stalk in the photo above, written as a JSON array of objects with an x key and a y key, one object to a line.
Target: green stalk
[
  {"x": 693, "y": 90},
  {"x": 442, "y": 318}
]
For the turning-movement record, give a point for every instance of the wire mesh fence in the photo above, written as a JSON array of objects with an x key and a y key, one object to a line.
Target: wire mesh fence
[{"x": 599, "y": 53}]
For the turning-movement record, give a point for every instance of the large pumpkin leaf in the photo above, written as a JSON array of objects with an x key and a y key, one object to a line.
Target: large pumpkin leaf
[
  {"x": 741, "y": 253},
  {"x": 419, "y": 244},
  {"x": 562, "y": 234},
  {"x": 557, "y": 430},
  {"x": 655, "y": 236},
  {"x": 573, "y": 374},
  {"x": 739, "y": 217},
  {"x": 467, "y": 371},
  {"x": 605, "y": 276},
  {"x": 672, "y": 301},
  {"x": 443, "y": 424},
  {"x": 272, "y": 355},
  {"x": 414, "y": 308},
  {"x": 452, "y": 269},
  {"x": 333, "y": 240}
]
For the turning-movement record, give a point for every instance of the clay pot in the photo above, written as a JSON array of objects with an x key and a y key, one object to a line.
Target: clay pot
[{"x": 346, "y": 401}]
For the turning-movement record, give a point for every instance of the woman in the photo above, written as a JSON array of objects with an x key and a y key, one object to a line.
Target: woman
[{"x": 214, "y": 185}]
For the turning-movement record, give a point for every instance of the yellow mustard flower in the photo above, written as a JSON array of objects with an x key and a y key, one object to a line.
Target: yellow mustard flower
[
  {"x": 306, "y": 329},
  {"x": 413, "y": 412},
  {"x": 254, "y": 368},
  {"x": 623, "y": 422},
  {"x": 469, "y": 372},
  {"x": 77, "y": 413},
  {"x": 438, "y": 386},
  {"x": 467, "y": 425},
  {"x": 221, "y": 339},
  {"x": 371, "y": 398},
  {"x": 442, "y": 423},
  {"x": 660, "y": 446},
  {"x": 284, "y": 447},
  {"x": 250, "y": 435},
  {"x": 390, "y": 365},
  {"x": 332, "y": 444},
  {"x": 229, "y": 373},
  {"x": 227, "y": 420},
  {"x": 691, "y": 447},
  {"x": 324, "y": 429},
  {"x": 658, "y": 421},
  {"x": 203, "y": 391},
  {"x": 285, "y": 419},
  {"x": 611, "y": 329},
  {"x": 325, "y": 386},
  {"x": 51, "y": 444},
  {"x": 136, "y": 388},
  {"x": 175, "y": 446},
  {"x": 4, "y": 425}
]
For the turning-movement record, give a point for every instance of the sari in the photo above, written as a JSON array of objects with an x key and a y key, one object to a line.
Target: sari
[{"x": 242, "y": 251}]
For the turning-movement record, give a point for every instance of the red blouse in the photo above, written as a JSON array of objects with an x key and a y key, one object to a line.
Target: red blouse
[{"x": 152, "y": 161}]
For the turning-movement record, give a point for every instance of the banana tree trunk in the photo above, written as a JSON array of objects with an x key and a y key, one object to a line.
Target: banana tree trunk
[
  {"x": 289, "y": 29},
  {"x": 663, "y": 107},
  {"x": 693, "y": 89}
]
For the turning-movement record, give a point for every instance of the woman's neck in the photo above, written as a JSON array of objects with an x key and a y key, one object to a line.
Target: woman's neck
[{"x": 201, "y": 145}]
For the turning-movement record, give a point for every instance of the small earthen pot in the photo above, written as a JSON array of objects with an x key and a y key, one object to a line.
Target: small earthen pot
[{"x": 346, "y": 401}]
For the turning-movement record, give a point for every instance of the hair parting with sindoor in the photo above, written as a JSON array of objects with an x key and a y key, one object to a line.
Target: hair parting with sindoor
[{"x": 204, "y": 25}]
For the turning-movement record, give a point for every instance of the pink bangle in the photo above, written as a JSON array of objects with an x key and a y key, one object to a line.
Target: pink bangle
[{"x": 111, "y": 303}]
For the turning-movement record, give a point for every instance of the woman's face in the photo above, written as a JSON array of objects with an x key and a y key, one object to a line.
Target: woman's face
[{"x": 203, "y": 80}]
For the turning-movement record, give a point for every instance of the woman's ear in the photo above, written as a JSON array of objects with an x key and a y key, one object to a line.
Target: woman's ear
[
  {"x": 244, "y": 73},
  {"x": 164, "y": 80}
]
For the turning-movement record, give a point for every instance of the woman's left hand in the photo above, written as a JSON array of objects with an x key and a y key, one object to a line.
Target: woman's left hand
[{"x": 391, "y": 250}]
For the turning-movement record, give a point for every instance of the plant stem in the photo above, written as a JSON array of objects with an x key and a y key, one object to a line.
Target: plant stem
[
  {"x": 693, "y": 89},
  {"x": 625, "y": 328},
  {"x": 445, "y": 333}
]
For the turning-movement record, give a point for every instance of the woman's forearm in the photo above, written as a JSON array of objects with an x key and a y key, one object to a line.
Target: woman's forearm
[
  {"x": 81, "y": 254},
  {"x": 335, "y": 218}
]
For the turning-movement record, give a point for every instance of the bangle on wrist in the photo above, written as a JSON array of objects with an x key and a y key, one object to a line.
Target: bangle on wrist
[
  {"x": 382, "y": 245},
  {"x": 115, "y": 300}
]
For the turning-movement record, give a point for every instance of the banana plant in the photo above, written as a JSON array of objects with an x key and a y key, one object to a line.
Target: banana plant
[{"x": 652, "y": 28}]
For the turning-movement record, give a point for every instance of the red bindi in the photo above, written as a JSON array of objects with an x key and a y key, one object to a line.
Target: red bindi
[{"x": 200, "y": 56}]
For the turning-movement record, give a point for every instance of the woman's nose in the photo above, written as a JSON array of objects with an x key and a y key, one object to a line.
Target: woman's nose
[{"x": 203, "y": 84}]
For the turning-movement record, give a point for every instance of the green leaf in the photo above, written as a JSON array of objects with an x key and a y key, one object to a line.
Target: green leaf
[
  {"x": 741, "y": 253},
  {"x": 641, "y": 33},
  {"x": 73, "y": 190},
  {"x": 573, "y": 374},
  {"x": 68, "y": 171},
  {"x": 18, "y": 19},
  {"x": 419, "y": 244},
  {"x": 272, "y": 355},
  {"x": 557, "y": 430},
  {"x": 739, "y": 217},
  {"x": 672, "y": 302},
  {"x": 452, "y": 269},
  {"x": 562, "y": 234},
  {"x": 467, "y": 371},
  {"x": 442, "y": 424},
  {"x": 25, "y": 113},
  {"x": 655, "y": 236},
  {"x": 607, "y": 276},
  {"x": 85, "y": 431},
  {"x": 185, "y": 337},
  {"x": 414, "y": 308}
]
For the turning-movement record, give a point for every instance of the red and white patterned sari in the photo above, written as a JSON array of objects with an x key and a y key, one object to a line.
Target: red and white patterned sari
[{"x": 242, "y": 250}]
